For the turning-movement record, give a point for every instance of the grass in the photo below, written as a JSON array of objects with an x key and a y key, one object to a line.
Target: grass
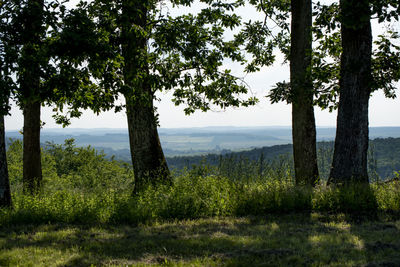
[
  {"x": 239, "y": 214},
  {"x": 276, "y": 240},
  {"x": 192, "y": 198},
  {"x": 81, "y": 186}
]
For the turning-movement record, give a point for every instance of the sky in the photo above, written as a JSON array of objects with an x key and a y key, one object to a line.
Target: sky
[{"x": 383, "y": 112}]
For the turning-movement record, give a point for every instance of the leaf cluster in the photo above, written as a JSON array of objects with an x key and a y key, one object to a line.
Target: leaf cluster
[
  {"x": 44, "y": 52},
  {"x": 183, "y": 53},
  {"x": 7, "y": 56},
  {"x": 262, "y": 38},
  {"x": 327, "y": 54}
]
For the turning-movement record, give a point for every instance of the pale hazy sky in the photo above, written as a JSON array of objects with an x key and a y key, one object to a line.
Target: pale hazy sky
[{"x": 383, "y": 112}]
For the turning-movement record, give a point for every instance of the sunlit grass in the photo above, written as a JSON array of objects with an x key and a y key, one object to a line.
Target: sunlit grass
[{"x": 279, "y": 240}]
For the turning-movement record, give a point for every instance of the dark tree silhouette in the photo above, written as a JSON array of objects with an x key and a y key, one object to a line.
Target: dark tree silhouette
[
  {"x": 351, "y": 143},
  {"x": 5, "y": 193},
  {"x": 302, "y": 92},
  {"x": 7, "y": 60}
]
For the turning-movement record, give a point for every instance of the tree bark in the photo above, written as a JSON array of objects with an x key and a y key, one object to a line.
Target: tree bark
[
  {"x": 303, "y": 120},
  {"x": 148, "y": 159},
  {"x": 5, "y": 193},
  {"x": 351, "y": 143},
  {"x": 32, "y": 166},
  {"x": 30, "y": 74}
]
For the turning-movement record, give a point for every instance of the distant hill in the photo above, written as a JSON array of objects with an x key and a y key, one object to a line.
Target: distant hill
[
  {"x": 185, "y": 147},
  {"x": 193, "y": 141},
  {"x": 383, "y": 157},
  {"x": 190, "y": 146}
]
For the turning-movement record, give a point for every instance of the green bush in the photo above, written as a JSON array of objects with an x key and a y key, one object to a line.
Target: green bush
[{"x": 355, "y": 198}]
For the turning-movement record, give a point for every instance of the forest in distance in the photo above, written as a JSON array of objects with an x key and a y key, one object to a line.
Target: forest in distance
[
  {"x": 383, "y": 158},
  {"x": 190, "y": 147}
]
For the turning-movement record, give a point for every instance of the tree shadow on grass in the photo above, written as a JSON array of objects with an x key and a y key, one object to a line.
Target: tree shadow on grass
[
  {"x": 379, "y": 232},
  {"x": 365, "y": 237},
  {"x": 203, "y": 240},
  {"x": 296, "y": 239},
  {"x": 381, "y": 242}
]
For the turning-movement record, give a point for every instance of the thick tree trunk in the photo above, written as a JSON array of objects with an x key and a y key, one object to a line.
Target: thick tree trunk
[
  {"x": 30, "y": 73},
  {"x": 32, "y": 166},
  {"x": 351, "y": 143},
  {"x": 148, "y": 159},
  {"x": 5, "y": 193},
  {"x": 303, "y": 120}
]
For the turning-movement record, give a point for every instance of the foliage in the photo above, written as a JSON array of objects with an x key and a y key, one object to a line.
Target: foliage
[
  {"x": 181, "y": 53},
  {"x": 263, "y": 39},
  {"x": 66, "y": 167},
  {"x": 7, "y": 57},
  {"x": 39, "y": 61},
  {"x": 188, "y": 199}
]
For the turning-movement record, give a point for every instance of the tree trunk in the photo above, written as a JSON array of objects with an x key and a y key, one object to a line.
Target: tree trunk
[
  {"x": 5, "y": 193},
  {"x": 148, "y": 159},
  {"x": 303, "y": 120},
  {"x": 32, "y": 166},
  {"x": 29, "y": 79},
  {"x": 351, "y": 143}
]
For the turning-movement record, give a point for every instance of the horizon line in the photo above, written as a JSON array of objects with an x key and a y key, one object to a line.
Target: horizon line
[{"x": 194, "y": 127}]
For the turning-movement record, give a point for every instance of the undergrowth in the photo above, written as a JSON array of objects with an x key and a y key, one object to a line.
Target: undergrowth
[{"x": 82, "y": 186}]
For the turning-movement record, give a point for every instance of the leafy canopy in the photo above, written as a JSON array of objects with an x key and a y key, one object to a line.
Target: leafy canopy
[
  {"x": 263, "y": 39},
  {"x": 183, "y": 53}
]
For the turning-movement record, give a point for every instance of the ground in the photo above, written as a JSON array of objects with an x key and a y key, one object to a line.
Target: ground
[{"x": 276, "y": 240}]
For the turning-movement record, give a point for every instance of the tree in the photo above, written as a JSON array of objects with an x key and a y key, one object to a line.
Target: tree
[
  {"x": 7, "y": 54},
  {"x": 153, "y": 51},
  {"x": 328, "y": 51},
  {"x": 29, "y": 79},
  {"x": 358, "y": 78},
  {"x": 351, "y": 143},
  {"x": 49, "y": 72},
  {"x": 302, "y": 93},
  {"x": 296, "y": 45},
  {"x": 147, "y": 155},
  {"x": 5, "y": 193}
]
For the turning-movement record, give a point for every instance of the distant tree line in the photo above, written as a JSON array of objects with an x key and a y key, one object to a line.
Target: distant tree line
[
  {"x": 383, "y": 159},
  {"x": 89, "y": 56}
]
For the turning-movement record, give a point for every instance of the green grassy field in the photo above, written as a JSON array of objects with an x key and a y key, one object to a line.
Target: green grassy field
[{"x": 278, "y": 240}]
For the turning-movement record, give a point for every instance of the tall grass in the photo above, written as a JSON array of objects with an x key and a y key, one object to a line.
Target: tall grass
[
  {"x": 193, "y": 197},
  {"x": 95, "y": 190}
]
